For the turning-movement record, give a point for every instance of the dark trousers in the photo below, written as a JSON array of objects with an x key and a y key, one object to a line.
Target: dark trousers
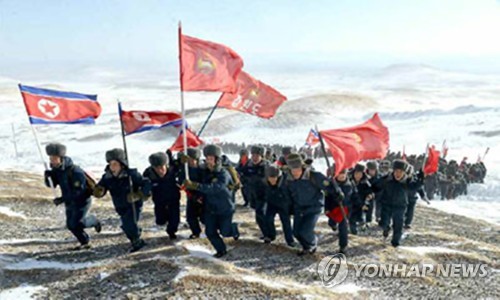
[
  {"x": 378, "y": 208},
  {"x": 369, "y": 212},
  {"x": 77, "y": 220},
  {"x": 303, "y": 229},
  {"x": 168, "y": 214},
  {"x": 286, "y": 223},
  {"x": 260, "y": 216},
  {"x": 218, "y": 226},
  {"x": 343, "y": 230},
  {"x": 410, "y": 210},
  {"x": 355, "y": 216},
  {"x": 130, "y": 215},
  {"x": 194, "y": 213},
  {"x": 396, "y": 215}
]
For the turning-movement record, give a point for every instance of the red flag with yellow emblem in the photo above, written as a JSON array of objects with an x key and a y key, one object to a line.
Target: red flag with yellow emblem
[
  {"x": 208, "y": 66},
  {"x": 348, "y": 146},
  {"x": 252, "y": 97}
]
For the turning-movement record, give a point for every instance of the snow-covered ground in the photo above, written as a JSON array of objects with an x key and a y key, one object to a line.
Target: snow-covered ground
[{"x": 420, "y": 104}]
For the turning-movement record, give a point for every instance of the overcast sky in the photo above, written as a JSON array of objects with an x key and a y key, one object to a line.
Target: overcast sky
[{"x": 104, "y": 33}]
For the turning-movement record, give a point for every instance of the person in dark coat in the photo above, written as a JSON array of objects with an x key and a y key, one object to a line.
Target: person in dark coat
[
  {"x": 412, "y": 199},
  {"x": 128, "y": 190},
  {"x": 278, "y": 202},
  {"x": 242, "y": 162},
  {"x": 71, "y": 179},
  {"x": 218, "y": 204},
  {"x": 165, "y": 192},
  {"x": 306, "y": 191},
  {"x": 395, "y": 188},
  {"x": 331, "y": 203},
  {"x": 361, "y": 197},
  {"x": 194, "y": 206},
  {"x": 253, "y": 175},
  {"x": 375, "y": 205}
]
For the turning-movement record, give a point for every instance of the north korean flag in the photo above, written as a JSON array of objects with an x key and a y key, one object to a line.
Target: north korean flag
[
  {"x": 46, "y": 106},
  {"x": 139, "y": 121}
]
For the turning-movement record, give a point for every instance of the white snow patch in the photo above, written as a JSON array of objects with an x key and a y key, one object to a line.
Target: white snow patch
[
  {"x": 10, "y": 213},
  {"x": 347, "y": 288},
  {"x": 423, "y": 250},
  {"x": 32, "y": 264},
  {"x": 483, "y": 210},
  {"x": 21, "y": 292},
  {"x": 200, "y": 251},
  {"x": 25, "y": 241},
  {"x": 265, "y": 282}
]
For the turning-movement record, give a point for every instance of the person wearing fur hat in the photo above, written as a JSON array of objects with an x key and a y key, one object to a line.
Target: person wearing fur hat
[
  {"x": 242, "y": 162},
  {"x": 331, "y": 204},
  {"x": 128, "y": 189},
  {"x": 361, "y": 197},
  {"x": 376, "y": 205},
  {"x": 218, "y": 205},
  {"x": 395, "y": 188},
  {"x": 278, "y": 202},
  {"x": 165, "y": 192},
  {"x": 194, "y": 206},
  {"x": 71, "y": 179},
  {"x": 285, "y": 151},
  {"x": 306, "y": 188},
  {"x": 253, "y": 176}
]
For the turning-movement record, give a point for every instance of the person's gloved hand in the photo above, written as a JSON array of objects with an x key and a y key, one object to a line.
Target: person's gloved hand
[
  {"x": 58, "y": 201},
  {"x": 190, "y": 185}
]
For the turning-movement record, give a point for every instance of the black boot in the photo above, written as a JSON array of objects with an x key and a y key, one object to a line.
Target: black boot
[{"x": 137, "y": 245}]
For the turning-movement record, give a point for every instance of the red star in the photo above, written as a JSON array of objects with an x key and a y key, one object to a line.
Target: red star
[{"x": 49, "y": 109}]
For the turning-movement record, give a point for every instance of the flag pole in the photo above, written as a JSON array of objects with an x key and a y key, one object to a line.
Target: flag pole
[
  {"x": 184, "y": 137},
  {"x": 337, "y": 188},
  {"x": 14, "y": 140},
  {"x": 49, "y": 179},
  {"x": 209, "y": 117},
  {"x": 131, "y": 185},
  {"x": 485, "y": 152}
]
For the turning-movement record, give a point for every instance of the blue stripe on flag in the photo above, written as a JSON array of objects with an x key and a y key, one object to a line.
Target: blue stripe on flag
[
  {"x": 40, "y": 121},
  {"x": 54, "y": 93}
]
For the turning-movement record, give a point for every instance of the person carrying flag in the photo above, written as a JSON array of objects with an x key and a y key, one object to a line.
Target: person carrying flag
[
  {"x": 71, "y": 179},
  {"x": 128, "y": 190}
]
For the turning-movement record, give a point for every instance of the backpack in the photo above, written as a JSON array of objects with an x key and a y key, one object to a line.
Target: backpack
[{"x": 90, "y": 182}]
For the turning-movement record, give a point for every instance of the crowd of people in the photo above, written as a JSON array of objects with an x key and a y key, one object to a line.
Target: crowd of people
[{"x": 375, "y": 193}]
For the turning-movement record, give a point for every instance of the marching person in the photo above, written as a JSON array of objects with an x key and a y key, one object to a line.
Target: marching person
[
  {"x": 165, "y": 191},
  {"x": 306, "y": 191},
  {"x": 395, "y": 188},
  {"x": 218, "y": 204},
  {"x": 128, "y": 190},
  {"x": 278, "y": 202},
  {"x": 361, "y": 198},
  {"x": 75, "y": 196}
]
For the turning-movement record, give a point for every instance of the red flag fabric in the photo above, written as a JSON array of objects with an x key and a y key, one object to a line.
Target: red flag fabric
[
  {"x": 252, "y": 97},
  {"x": 207, "y": 66},
  {"x": 192, "y": 141},
  {"x": 348, "y": 146},
  {"x": 336, "y": 214},
  {"x": 432, "y": 163},
  {"x": 138, "y": 121}
]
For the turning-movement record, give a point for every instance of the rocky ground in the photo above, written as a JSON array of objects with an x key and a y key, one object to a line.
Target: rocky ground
[{"x": 36, "y": 257}]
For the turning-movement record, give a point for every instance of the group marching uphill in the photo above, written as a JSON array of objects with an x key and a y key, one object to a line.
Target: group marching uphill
[
  {"x": 376, "y": 193},
  {"x": 351, "y": 193}
]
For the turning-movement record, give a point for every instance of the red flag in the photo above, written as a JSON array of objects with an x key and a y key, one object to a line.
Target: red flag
[
  {"x": 336, "y": 214},
  {"x": 192, "y": 141},
  {"x": 207, "y": 66},
  {"x": 348, "y": 146},
  {"x": 252, "y": 97},
  {"x": 139, "y": 121},
  {"x": 432, "y": 163}
]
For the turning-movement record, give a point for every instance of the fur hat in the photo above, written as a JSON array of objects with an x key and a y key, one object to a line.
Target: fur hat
[
  {"x": 158, "y": 159},
  {"x": 294, "y": 161},
  {"x": 287, "y": 150},
  {"x": 385, "y": 164},
  {"x": 55, "y": 149},
  {"x": 212, "y": 150},
  {"x": 257, "y": 150},
  {"x": 359, "y": 168},
  {"x": 194, "y": 153},
  {"x": 371, "y": 165},
  {"x": 399, "y": 164},
  {"x": 244, "y": 152},
  {"x": 273, "y": 171},
  {"x": 116, "y": 154},
  {"x": 269, "y": 151}
]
